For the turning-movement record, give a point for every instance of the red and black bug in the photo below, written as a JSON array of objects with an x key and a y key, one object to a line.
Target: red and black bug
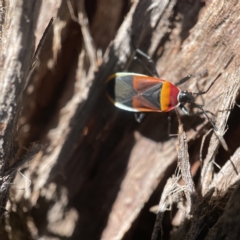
[{"x": 140, "y": 93}]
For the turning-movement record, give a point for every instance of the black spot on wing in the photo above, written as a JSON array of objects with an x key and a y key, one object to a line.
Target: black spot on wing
[{"x": 153, "y": 95}]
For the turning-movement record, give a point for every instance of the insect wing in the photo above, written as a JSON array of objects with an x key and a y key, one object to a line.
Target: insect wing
[{"x": 135, "y": 92}]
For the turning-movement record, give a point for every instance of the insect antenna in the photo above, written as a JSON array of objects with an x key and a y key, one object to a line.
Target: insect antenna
[
  {"x": 183, "y": 80},
  {"x": 228, "y": 63},
  {"x": 208, "y": 118},
  {"x": 201, "y": 93}
]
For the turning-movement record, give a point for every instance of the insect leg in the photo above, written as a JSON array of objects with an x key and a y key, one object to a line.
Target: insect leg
[
  {"x": 139, "y": 117},
  {"x": 208, "y": 118},
  {"x": 169, "y": 126},
  {"x": 184, "y": 109},
  {"x": 143, "y": 65},
  {"x": 150, "y": 61}
]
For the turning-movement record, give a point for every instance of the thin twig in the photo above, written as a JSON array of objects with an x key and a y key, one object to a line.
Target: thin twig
[
  {"x": 171, "y": 188},
  {"x": 229, "y": 173},
  {"x": 37, "y": 52},
  {"x": 184, "y": 164},
  {"x": 35, "y": 149},
  {"x": 228, "y": 101},
  {"x": 83, "y": 21},
  {"x": 71, "y": 11},
  {"x": 41, "y": 42},
  {"x": 202, "y": 144}
]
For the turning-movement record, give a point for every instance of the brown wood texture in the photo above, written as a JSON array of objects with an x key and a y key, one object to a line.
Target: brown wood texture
[{"x": 90, "y": 170}]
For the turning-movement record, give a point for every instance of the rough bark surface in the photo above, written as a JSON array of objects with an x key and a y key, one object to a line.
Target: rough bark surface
[{"x": 72, "y": 166}]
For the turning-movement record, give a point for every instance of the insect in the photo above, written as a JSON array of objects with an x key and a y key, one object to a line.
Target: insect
[{"x": 141, "y": 93}]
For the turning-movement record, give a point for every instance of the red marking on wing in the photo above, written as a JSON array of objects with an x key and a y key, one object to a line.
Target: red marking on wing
[
  {"x": 142, "y": 83},
  {"x": 143, "y": 105},
  {"x": 174, "y": 95}
]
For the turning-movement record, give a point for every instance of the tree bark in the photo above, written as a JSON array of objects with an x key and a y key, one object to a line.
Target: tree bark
[{"x": 94, "y": 171}]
